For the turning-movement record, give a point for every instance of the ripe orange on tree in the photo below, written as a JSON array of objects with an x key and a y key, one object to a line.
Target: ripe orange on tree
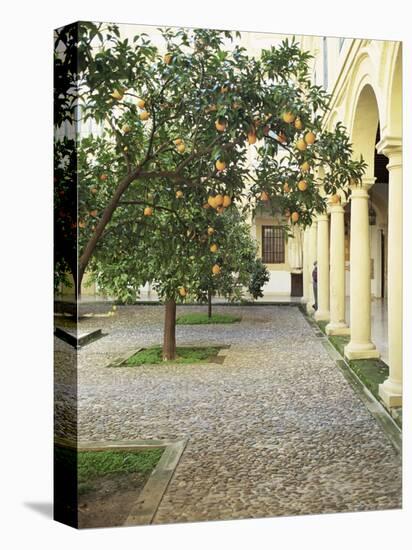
[
  {"x": 294, "y": 217},
  {"x": 221, "y": 124},
  {"x": 302, "y": 185},
  {"x": 298, "y": 124},
  {"x": 288, "y": 117},
  {"x": 310, "y": 138},
  {"x": 214, "y": 248},
  {"x": 220, "y": 165},
  {"x": 219, "y": 200},
  {"x": 301, "y": 145},
  {"x": 148, "y": 211},
  {"x": 227, "y": 201},
  {"x": 216, "y": 269}
]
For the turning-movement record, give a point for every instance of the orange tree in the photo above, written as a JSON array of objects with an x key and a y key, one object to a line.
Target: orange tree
[{"x": 181, "y": 122}]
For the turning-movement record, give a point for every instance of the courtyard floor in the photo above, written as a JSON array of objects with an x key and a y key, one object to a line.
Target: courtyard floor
[{"x": 274, "y": 430}]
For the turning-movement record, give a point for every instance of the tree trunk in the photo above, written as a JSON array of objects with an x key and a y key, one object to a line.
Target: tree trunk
[
  {"x": 209, "y": 304},
  {"x": 169, "y": 335}
]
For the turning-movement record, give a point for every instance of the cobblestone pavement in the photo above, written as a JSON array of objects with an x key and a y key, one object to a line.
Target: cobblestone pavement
[{"x": 274, "y": 430}]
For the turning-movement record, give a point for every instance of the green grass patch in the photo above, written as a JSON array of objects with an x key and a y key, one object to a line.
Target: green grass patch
[
  {"x": 203, "y": 319},
  {"x": 154, "y": 356},
  {"x": 91, "y": 465},
  {"x": 339, "y": 343},
  {"x": 94, "y": 464},
  {"x": 372, "y": 372}
]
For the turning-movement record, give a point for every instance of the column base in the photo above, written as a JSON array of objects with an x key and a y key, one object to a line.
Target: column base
[
  {"x": 322, "y": 315},
  {"x": 304, "y": 300},
  {"x": 309, "y": 307},
  {"x": 337, "y": 329},
  {"x": 361, "y": 351},
  {"x": 391, "y": 393}
]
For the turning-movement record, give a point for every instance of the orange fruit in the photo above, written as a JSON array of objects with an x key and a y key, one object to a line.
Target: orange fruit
[
  {"x": 294, "y": 217},
  {"x": 288, "y": 117},
  {"x": 214, "y": 248},
  {"x": 301, "y": 145},
  {"x": 212, "y": 201},
  {"x": 93, "y": 213},
  {"x": 103, "y": 177},
  {"x": 140, "y": 103},
  {"x": 181, "y": 147},
  {"x": 286, "y": 188},
  {"x": 126, "y": 128},
  {"x": 167, "y": 58},
  {"x": 178, "y": 141},
  {"x": 82, "y": 224},
  {"x": 182, "y": 291},
  {"x": 305, "y": 166},
  {"x": 227, "y": 201},
  {"x": 210, "y": 230},
  {"x": 219, "y": 200},
  {"x": 148, "y": 211},
  {"x": 220, "y": 165},
  {"x": 251, "y": 137},
  {"x": 310, "y": 138},
  {"x": 216, "y": 269},
  {"x": 144, "y": 115},
  {"x": 221, "y": 124},
  {"x": 264, "y": 196},
  {"x": 224, "y": 89},
  {"x": 335, "y": 199},
  {"x": 179, "y": 194},
  {"x": 302, "y": 185},
  {"x": 281, "y": 137},
  {"x": 298, "y": 124},
  {"x": 206, "y": 205},
  {"x": 93, "y": 190}
]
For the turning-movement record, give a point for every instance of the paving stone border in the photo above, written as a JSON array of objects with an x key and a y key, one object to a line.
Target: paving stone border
[
  {"x": 377, "y": 410},
  {"x": 145, "y": 507},
  {"x": 118, "y": 362}
]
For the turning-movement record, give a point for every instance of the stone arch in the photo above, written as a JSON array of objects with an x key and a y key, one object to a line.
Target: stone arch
[
  {"x": 366, "y": 117},
  {"x": 394, "y": 104}
]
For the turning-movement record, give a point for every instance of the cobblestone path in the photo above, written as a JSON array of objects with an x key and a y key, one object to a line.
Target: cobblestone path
[{"x": 274, "y": 430}]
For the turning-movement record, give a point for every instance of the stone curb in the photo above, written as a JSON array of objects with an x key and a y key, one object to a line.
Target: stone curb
[
  {"x": 376, "y": 409},
  {"x": 145, "y": 508}
]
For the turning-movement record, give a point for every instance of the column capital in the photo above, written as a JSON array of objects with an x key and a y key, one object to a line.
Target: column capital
[
  {"x": 389, "y": 146},
  {"x": 366, "y": 183},
  {"x": 335, "y": 208}
]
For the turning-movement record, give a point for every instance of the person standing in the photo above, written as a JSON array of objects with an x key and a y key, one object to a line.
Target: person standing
[{"x": 315, "y": 284}]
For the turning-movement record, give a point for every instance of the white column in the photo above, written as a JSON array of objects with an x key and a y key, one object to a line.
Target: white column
[
  {"x": 322, "y": 314},
  {"x": 337, "y": 323},
  {"x": 306, "y": 272},
  {"x": 391, "y": 390},
  {"x": 360, "y": 345},
  {"x": 312, "y": 255}
]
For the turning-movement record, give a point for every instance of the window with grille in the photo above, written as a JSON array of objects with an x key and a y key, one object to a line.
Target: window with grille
[{"x": 273, "y": 245}]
